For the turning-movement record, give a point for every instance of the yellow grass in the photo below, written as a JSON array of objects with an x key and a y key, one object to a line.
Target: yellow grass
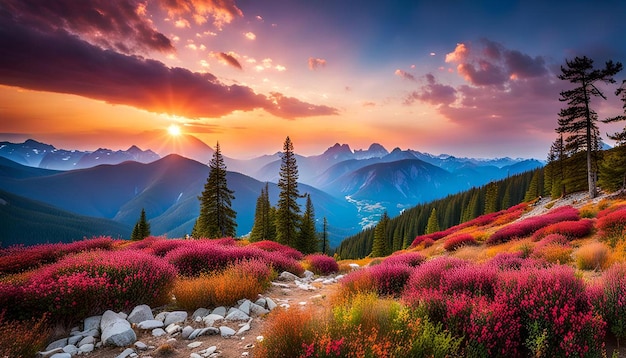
[{"x": 593, "y": 256}]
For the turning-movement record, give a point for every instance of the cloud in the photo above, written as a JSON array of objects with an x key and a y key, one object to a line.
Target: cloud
[
  {"x": 250, "y": 35},
  {"x": 433, "y": 92},
  {"x": 228, "y": 59},
  {"x": 404, "y": 75},
  {"x": 120, "y": 25},
  {"x": 315, "y": 63},
  {"x": 61, "y": 62},
  {"x": 221, "y": 11}
]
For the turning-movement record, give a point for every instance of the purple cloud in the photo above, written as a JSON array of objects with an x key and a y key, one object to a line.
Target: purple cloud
[
  {"x": 404, "y": 74},
  {"x": 433, "y": 92},
  {"x": 229, "y": 59},
  {"x": 315, "y": 63}
]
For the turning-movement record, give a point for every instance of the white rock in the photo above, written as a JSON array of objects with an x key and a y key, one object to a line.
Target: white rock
[
  {"x": 261, "y": 302},
  {"x": 196, "y": 332},
  {"x": 123, "y": 315},
  {"x": 211, "y": 319},
  {"x": 140, "y": 313},
  {"x": 285, "y": 305},
  {"x": 59, "y": 343},
  {"x": 86, "y": 340},
  {"x": 158, "y": 332},
  {"x": 194, "y": 345},
  {"x": 150, "y": 324},
  {"x": 308, "y": 274},
  {"x": 287, "y": 276},
  {"x": 126, "y": 353},
  {"x": 95, "y": 332},
  {"x": 49, "y": 353},
  {"x": 61, "y": 355},
  {"x": 221, "y": 311},
  {"x": 161, "y": 316},
  {"x": 74, "y": 340},
  {"x": 116, "y": 330},
  {"x": 281, "y": 285},
  {"x": 245, "y": 307},
  {"x": 354, "y": 266},
  {"x": 329, "y": 281},
  {"x": 91, "y": 323},
  {"x": 186, "y": 332},
  {"x": 245, "y": 328},
  {"x": 200, "y": 312},
  {"x": 207, "y": 352},
  {"x": 175, "y": 317},
  {"x": 87, "y": 348},
  {"x": 237, "y": 315},
  {"x": 270, "y": 304},
  {"x": 226, "y": 331},
  {"x": 141, "y": 346},
  {"x": 339, "y": 277},
  {"x": 258, "y": 310},
  {"x": 195, "y": 355},
  {"x": 71, "y": 349},
  {"x": 260, "y": 338},
  {"x": 173, "y": 328}
]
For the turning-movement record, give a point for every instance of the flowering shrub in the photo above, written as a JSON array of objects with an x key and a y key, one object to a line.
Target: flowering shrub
[
  {"x": 20, "y": 258},
  {"x": 91, "y": 282},
  {"x": 271, "y": 246},
  {"x": 23, "y": 338},
  {"x": 527, "y": 226},
  {"x": 470, "y": 280},
  {"x": 457, "y": 241},
  {"x": 515, "y": 261},
  {"x": 322, "y": 264},
  {"x": 494, "y": 330},
  {"x": 285, "y": 333},
  {"x": 412, "y": 259},
  {"x": 555, "y": 253},
  {"x": 570, "y": 229},
  {"x": 593, "y": 256},
  {"x": 613, "y": 305},
  {"x": 244, "y": 279},
  {"x": 281, "y": 263},
  {"x": 390, "y": 278},
  {"x": 360, "y": 281},
  {"x": 612, "y": 225},
  {"x": 163, "y": 246},
  {"x": 430, "y": 273}
]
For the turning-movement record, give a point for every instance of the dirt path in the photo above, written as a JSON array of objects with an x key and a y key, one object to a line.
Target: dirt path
[{"x": 236, "y": 346}]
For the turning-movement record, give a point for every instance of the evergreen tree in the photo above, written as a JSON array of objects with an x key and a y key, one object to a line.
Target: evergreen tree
[
  {"x": 619, "y": 137},
  {"x": 288, "y": 210},
  {"x": 264, "y": 227},
  {"x": 578, "y": 119},
  {"x": 308, "y": 242},
  {"x": 613, "y": 169},
  {"x": 533, "y": 191},
  {"x": 217, "y": 218},
  {"x": 556, "y": 168},
  {"x": 325, "y": 247},
  {"x": 379, "y": 247},
  {"x": 141, "y": 230},
  {"x": 433, "y": 222},
  {"x": 506, "y": 197},
  {"x": 491, "y": 198},
  {"x": 397, "y": 239}
]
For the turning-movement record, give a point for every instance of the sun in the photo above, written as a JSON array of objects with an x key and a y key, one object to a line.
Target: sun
[{"x": 174, "y": 130}]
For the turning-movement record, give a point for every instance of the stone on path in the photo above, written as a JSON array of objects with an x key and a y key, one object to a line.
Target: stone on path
[
  {"x": 211, "y": 319},
  {"x": 86, "y": 348},
  {"x": 258, "y": 310},
  {"x": 140, "y": 313},
  {"x": 237, "y": 315},
  {"x": 59, "y": 343},
  {"x": 245, "y": 307},
  {"x": 92, "y": 322},
  {"x": 221, "y": 311},
  {"x": 116, "y": 330},
  {"x": 158, "y": 332},
  {"x": 186, "y": 332},
  {"x": 226, "y": 331},
  {"x": 150, "y": 324},
  {"x": 126, "y": 353},
  {"x": 287, "y": 276},
  {"x": 245, "y": 328},
  {"x": 194, "y": 345},
  {"x": 61, "y": 355},
  {"x": 175, "y": 317},
  {"x": 270, "y": 304},
  {"x": 200, "y": 312}
]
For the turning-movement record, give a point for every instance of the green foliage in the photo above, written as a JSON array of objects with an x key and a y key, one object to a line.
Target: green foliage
[
  {"x": 612, "y": 175},
  {"x": 217, "y": 218},
  {"x": 535, "y": 189},
  {"x": 380, "y": 247},
  {"x": 491, "y": 198},
  {"x": 620, "y": 137},
  {"x": 264, "y": 227},
  {"x": 142, "y": 228},
  {"x": 308, "y": 242},
  {"x": 288, "y": 210},
  {"x": 433, "y": 222}
]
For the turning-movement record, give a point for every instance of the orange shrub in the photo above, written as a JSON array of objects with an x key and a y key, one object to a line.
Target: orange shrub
[
  {"x": 594, "y": 256},
  {"x": 25, "y": 338},
  {"x": 553, "y": 253},
  {"x": 284, "y": 333}
]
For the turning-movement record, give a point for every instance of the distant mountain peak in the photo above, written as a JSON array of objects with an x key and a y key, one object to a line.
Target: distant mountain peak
[
  {"x": 375, "y": 150},
  {"x": 338, "y": 150}
]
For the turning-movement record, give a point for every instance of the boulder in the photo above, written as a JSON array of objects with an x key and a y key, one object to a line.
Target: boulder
[
  {"x": 226, "y": 331},
  {"x": 140, "y": 313},
  {"x": 116, "y": 330},
  {"x": 209, "y": 320},
  {"x": 150, "y": 324},
  {"x": 92, "y": 322},
  {"x": 270, "y": 304},
  {"x": 126, "y": 353},
  {"x": 200, "y": 312},
  {"x": 187, "y": 331},
  {"x": 158, "y": 332},
  {"x": 175, "y": 317},
  {"x": 86, "y": 348},
  {"x": 258, "y": 310},
  {"x": 245, "y": 307},
  {"x": 221, "y": 311},
  {"x": 287, "y": 276},
  {"x": 59, "y": 343},
  {"x": 237, "y": 315}
]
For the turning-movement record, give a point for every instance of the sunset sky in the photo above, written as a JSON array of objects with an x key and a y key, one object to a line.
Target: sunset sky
[{"x": 468, "y": 78}]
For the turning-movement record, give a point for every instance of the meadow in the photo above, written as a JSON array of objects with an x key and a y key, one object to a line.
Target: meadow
[{"x": 504, "y": 284}]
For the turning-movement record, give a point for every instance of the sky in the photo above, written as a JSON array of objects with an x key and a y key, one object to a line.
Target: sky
[{"x": 466, "y": 78}]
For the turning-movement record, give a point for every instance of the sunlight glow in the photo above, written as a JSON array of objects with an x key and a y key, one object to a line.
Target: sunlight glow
[{"x": 173, "y": 130}]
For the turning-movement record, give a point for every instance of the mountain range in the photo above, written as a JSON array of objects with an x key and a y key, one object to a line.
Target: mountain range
[{"x": 350, "y": 188}]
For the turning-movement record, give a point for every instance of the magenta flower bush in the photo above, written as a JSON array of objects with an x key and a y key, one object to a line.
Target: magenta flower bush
[
  {"x": 272, "y": 246},
  {"x": 390, "y": 279},
  {"x": 412, "y": 259},
  {"x": 457, "y": 241},
  {"x": 470, "y": 280},
  {"x": 430, "y": 273},
  {"x": 570, "y": 229},
  {"x": 494, "y": 330},
  {"x": 528, "y": 226},
  {"x": 612, "y": 225},
  {"x": 91, "y": 282},
  {"x": 611, "y": 303},
  {"x": 322, "y": 264}
]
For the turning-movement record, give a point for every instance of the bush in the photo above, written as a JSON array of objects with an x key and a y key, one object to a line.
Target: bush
[
  {"x": 457, "y": 241},
  {"x": 412, "y": 259},
  {"x": 612, "y": 226},
  {"x": 23, "y": 338},
  {"x": 570, "y": 229},
  {"x": 272, "y": 246},
  {"x": 390, "y": 278},
  {"x": 322, "y": 264},
  {"x": 594, "y": 256},
  {"x": 285, "y": 333},
  {"x": 555, "y": 253},
  {"x": 470, "y": 280},
  {"x": 92, "y": 282},
  {"x": 527, "y": 226},
  {"x": 429, "y": 274},
  {"x": 613, "y": 307},
  {"x": 494, "y": 330}
]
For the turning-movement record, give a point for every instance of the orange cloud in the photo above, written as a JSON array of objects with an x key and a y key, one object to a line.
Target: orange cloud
[
  {"x": 404, "y": 75},
  {"x": 459, "y": 54},
  {"x": 315, "y": 63},
  {"x": 250, "y": 35}
]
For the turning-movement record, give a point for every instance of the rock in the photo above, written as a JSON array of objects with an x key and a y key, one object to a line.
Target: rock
[
  {"x": 245, "y": 307},
  {"x": 158, "y": 332},
  {"x": 150, "y": 324},
  {"x": 195, "y": 355},
  {"x": 161, "y": 316},
  {"x": 187, "y": 331},
  {"x": 270, "y": 304},
  {"x": 59, "y": 343},
  {"x": 116, "y": 330},
  {"x": 92, "y": 322},
  {"x": 304, "y": 286},
  {"x": 261, "y": 302},
  {"x": 126, "y": 353},
  {"x": 207, "y": 352},
  {"x": 226, "y": 331},
  {"x": 211, "y": 330},
  {"x": 211, "y": 319},
  {"x": 308, "y": 274},
  {"x": 175, "y": 317},
  {"x": 95, "y": 332},
  {"x": 258, "y": 310},
  {"x": 287, "y": 276},
  {"x": 245, "y": 328},
  {"x": 86, "y": 348},
  {"x": 123, "y": 315},
  {"x": 173, "y": 328},
  {"x": 194, "y": 345},
  {"x": 260, "y": 339},
  {"x": 74, "y": 340},
  {"x": 354, "y": 266},
  {"x": 237, "y": 315},
  {"x": 86, "y": 340},
  {"x": 221, "y": 310},
  {"x": 61, "y": 355},
  {"x": 141, "y": 346},
  {"x": 339, "y": 277},
  {"x": 140, "y": 313},
  {"x": 50, "y": 353},
  {"x": 200, "y": 312},
  {"x": 71, "y": 349},
  {"x": 196, "y": 332},
  {"x": 329, "y": 281},
  {"x": 281, "y": 285}
]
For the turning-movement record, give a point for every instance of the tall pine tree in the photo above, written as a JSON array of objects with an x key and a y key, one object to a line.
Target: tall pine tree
[
  {"x": 433, "y": 222},
  {"x": 578, "y": 119},
  {"x": 379, "y": 246},
  {"x": 264, "y": 227},
  {"x": 325, "y": 237},
  {"x": 308, "y": 242},
  {"x": 142, "y": 227},
  {"x": 288, "y": 210},
  {"x": 217, "y": 218}
]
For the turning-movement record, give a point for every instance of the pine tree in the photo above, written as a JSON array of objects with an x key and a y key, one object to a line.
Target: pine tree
[
  {"x": 533, "y": 191},
  {"x": 433, "y": 222},
  {"x": 308, "y": 242},
  {"x": 379, "y": 246},
  {"x": 217, "y": 218},
  {"x": 325, "y": 237},
  {"x": 142, "y": 228},
  {"x": 264, "y": 227},
  {"x": 491, "y": 198},
  {"x": 619, "y": 137},
  {"x": 288, "y": 210},
  {"x": 578, "y": 119}
]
